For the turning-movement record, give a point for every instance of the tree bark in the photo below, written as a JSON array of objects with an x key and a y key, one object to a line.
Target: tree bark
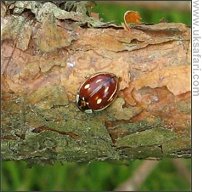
[{"x": 44, "y": 61}]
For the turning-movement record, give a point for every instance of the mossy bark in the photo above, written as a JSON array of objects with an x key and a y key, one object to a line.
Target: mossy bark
[{"x": 45, "y": 60}]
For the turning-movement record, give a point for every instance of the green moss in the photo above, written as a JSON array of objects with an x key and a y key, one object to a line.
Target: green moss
[
  {"x": 155, "y": 136},
  {"x": 144, "y": 139},
  {"x": 141, "y": 152},
  {"x": 182, "y": 143},
  {"x": 54, "y": 142},
  {"x": 47, "y": 97},
  {"x": 184, "y": 107},
  {"x": 13, "y": 27}
]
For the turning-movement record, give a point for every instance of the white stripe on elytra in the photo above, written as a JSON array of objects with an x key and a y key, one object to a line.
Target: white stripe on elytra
[
  {"x": 111, "y": 97},
  {"x": 99, "y": 87},
  {"x": 98, "y": 80},
  {"x": 106, "y": 89}
]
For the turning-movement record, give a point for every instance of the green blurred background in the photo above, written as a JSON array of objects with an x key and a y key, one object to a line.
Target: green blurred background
[{"x": 103, "y": 176}]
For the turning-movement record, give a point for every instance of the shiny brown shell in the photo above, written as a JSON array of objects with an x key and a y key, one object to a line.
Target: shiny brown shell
[{"x": 97, "y": 92}]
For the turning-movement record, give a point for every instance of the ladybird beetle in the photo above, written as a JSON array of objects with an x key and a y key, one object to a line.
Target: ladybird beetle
[{"x": 97, "y": 92}]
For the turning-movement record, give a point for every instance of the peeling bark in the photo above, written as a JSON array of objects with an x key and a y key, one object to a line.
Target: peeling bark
[{"x": 43, "y": 64}]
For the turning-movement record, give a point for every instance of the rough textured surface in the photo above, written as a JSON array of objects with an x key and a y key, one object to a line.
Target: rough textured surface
[{"x": 44, "y": 61}]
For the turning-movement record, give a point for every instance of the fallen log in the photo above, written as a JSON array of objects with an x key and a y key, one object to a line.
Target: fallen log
[{"x": 45, "y": 60}]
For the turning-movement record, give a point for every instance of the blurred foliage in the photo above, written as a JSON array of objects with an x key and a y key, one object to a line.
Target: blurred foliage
[
  {"x": 16, "y": 176},
  {"x": 89, "y": 177},
  {"x": 166, "y": 177},
  {"x": 114, "y": 12}
]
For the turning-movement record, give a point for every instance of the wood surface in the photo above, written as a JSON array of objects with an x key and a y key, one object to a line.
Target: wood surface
[{"x": 45, "y": 60}]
